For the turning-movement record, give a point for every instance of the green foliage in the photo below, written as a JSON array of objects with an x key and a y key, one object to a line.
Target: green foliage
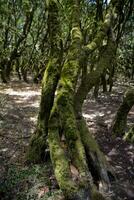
[
  {"x": 126, "y": 51},
  {"x": 31, "y": 53},
  {"x": 25, "y": 183},
  {"x": 22, "y": 24}
]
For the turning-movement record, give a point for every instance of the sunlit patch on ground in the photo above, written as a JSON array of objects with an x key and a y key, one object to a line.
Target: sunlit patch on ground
[{"x": 19, "y": 104}]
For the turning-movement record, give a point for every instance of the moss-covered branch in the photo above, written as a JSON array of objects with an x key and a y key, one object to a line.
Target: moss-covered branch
[
  {"x": 109, "y": 21},
  {"x": 107, "y": 55},
  {"x": 102, "y": 33},
  {"x": 106, "y": 58}
]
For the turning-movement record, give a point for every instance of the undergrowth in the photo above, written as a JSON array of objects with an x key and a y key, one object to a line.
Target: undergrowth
[{"x": 34, "y": 182}]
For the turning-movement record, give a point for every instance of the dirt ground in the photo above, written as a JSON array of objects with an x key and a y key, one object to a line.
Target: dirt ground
[{"x": 19, "y": 105}]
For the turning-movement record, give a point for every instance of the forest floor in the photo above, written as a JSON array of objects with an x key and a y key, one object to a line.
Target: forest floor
[{"x": 19, "y": 105}]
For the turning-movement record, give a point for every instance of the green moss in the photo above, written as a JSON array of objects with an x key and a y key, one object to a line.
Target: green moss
[
  {"x": 129, "y": 136},
  {"x": 65, "y": 110},
  {"x": 96, "y": 158},
  {"x": 76, "y": 33},
  {"x": 59, "y": 160},
  {"x": 49, "y": 83},
  {"x": 37, "y": 147},
  {"x": 89, "y": 141},
  {"x": 129, "y": 97},
  {"x": 106, "y": 57},
  {"x": 97, "y": 196}
]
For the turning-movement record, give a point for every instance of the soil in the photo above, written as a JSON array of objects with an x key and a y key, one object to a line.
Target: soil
[{"x": 19, "y": 105}]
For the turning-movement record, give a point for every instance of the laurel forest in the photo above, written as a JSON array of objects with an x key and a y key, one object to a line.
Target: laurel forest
[{"x": 72, "y": 54}]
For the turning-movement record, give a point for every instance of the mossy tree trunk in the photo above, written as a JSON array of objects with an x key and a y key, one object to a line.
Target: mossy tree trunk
[
  {"x": 120, "y": 121},
  {"x": 38, "y": 144},
  {"x": 60, "y": 123}
]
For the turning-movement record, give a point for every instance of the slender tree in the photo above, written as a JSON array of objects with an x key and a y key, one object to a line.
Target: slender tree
[{"x": 120, "y": 121}]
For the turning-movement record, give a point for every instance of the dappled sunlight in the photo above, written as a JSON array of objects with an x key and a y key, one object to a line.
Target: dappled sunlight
[
  {"x": 26, "y": 94},
  {"x": 92, "y": 116},
  {"x": 34, "y": 119},
  {"x": 103, "y": 109},
  {"x": 18, "y": 115}
]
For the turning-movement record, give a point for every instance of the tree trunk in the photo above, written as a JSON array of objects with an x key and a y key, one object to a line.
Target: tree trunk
[
  {"x": 2, "y": 71},
  {"x": 38, "y": 145},
  {"x": 120, "y": 121},
  {"x": 60, "y": 123}
]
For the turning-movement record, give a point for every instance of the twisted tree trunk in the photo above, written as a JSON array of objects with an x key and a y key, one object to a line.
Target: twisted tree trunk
[
  {"x": 60, "y": 123},
  {"x": 63, "y": 123}
]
